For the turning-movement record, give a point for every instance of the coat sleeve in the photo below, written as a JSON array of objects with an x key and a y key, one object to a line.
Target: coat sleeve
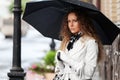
[
  {"x": 58, "y": 65},
  {"x": 86, "y": 67},
  {"x": 75, "y": 65},
  {"x": 90, "y": 59}
]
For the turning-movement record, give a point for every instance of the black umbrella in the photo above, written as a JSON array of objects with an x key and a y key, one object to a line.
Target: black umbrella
[{"x": 46, "y": 16}]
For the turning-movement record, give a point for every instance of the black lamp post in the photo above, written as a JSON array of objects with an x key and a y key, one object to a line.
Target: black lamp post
[
  {"x": 17, "y": 73},
  {"x": 52, "y": 45}
]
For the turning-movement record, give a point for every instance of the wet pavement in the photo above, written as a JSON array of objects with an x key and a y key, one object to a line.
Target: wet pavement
[{"x": 33, "y": 49}]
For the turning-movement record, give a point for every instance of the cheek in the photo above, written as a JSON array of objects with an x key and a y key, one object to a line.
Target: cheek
[
  {"x": 77, "y": 27},
  {"x": 68, "y": 26}
]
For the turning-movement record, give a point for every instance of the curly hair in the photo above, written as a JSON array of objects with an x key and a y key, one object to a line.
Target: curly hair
[{"x": 86, "y": 26}]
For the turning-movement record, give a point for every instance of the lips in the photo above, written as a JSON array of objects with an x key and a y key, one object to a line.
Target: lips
[{"x": 72, "y": 29}]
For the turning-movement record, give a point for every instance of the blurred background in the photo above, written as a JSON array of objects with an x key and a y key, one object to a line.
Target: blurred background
[{"x": 34, "y": 46}]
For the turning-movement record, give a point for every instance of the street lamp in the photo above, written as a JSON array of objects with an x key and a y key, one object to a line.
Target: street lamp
[
  {"x": 52, "y": 45},
  {"x": 17, "y": 73}
]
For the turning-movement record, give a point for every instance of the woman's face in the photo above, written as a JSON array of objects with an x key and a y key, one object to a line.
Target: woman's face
[{"x": 73, "y": 23}]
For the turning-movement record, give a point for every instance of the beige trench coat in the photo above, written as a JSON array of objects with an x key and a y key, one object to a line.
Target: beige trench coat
[{"x": 80, "y": 62}]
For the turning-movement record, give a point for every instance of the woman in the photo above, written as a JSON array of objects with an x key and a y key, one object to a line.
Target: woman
[{"x": 80, "y": 49}]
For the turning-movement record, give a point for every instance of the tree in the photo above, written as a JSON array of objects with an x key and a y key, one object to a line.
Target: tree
[{"x": 23, "y": 4}]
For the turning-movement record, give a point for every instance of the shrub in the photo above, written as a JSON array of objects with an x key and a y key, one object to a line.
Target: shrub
[
  {"x": 37, "y": 68},
  {"x": 47, "y": 65},
  {"x": 50, "y": 58},
  {"x": 23, "y": 4}
]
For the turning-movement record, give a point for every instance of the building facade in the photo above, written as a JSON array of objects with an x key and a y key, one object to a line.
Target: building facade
[
  {"x": 111, "y": 8},
  {"x": 118, "y": 12}
]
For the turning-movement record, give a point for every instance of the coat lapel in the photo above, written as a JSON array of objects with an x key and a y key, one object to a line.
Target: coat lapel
[{"x": 77, "y": 47}]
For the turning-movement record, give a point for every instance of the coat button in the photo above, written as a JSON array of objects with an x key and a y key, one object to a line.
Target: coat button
[
  {"x": 70, "y": 67},
  {"x": 64, "y": 66}
]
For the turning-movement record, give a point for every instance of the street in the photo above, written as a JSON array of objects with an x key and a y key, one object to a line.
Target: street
[{"x": 33, "y": 48}]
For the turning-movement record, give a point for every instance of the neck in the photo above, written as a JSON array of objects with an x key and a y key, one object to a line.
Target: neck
[{"x": 79, "y": 33}]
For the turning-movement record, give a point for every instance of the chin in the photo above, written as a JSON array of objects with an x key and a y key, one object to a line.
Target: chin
[{"x": 74, "y": 32}]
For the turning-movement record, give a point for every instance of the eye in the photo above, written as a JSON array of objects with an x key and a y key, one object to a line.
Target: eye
[
  {"x": 68, "y": 21},
  {"x": 75, "y": 20}
]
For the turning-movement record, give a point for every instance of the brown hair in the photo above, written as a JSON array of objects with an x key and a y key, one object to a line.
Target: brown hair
[{"x": 86, "y": 26}]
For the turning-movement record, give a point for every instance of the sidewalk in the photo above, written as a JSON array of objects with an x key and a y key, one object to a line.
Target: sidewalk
[{"x": 32, "y": 50}]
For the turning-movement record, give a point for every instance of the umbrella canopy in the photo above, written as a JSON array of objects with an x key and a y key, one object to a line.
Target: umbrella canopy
[{"x": 46, "y": 16}]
